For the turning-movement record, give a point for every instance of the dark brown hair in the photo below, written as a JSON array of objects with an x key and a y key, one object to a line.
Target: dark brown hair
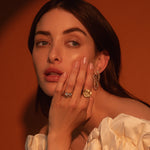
[{"x": 103, "y": 36}]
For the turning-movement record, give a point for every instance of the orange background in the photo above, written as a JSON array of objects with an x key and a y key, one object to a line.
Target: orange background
[{"x": 18, "y": 84}]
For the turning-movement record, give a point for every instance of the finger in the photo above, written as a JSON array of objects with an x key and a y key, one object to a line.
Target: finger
[
  {"x": 80, "y": 78},
  {"x": 72, "y": 78},
  {"x": 88, "y": 86},
  {"x": 89, "y": 77},
  {"x": 59, "y": 87}
]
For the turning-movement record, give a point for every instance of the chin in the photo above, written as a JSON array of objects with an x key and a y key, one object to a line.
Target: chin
[{"x": 49, "y": 89}]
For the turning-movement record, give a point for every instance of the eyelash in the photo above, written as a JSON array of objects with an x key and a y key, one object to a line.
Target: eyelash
[
  {"x": 71, "y": 43},
  {"x": 42, "y": 43}
]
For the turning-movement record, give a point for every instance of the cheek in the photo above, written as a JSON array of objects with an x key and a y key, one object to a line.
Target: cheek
[
  {"x": 69, "y": 60},
  {"x": 88, "y": 52},
  {"x": 85, "y": 51},
  {"x": 35, "y": 61},
  {"x": 38, "y": 62}
]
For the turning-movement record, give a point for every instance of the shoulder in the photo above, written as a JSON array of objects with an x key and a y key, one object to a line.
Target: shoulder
[
  {"x": 134, "y": 108},
  {"x": 121, "y": 132}
]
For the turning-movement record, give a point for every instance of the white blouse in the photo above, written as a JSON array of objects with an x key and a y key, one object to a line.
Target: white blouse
[{"x": 124, "y": 132}]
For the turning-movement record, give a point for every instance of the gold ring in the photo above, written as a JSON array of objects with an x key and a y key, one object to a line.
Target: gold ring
[
  {"x": 87, "y": 93},
  {"x": 66, "y": 94}
]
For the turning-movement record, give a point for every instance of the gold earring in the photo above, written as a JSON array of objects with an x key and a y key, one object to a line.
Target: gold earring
[{"x": 96, "y": 78}]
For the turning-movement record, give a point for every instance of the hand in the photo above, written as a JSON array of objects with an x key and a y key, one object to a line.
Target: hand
[{"x": 67, "y": 113}]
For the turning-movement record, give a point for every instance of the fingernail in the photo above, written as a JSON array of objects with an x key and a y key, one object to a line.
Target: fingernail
[
  {"x": 84, "y": 60},
  {"x": 91, "y": 66}
]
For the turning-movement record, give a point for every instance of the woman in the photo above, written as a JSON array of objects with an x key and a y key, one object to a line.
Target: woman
[{"x": 76, "y": 55}]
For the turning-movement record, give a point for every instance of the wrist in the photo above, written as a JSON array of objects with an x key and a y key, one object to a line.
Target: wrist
[
  {"x": 59, "y": 135},
  {"x": 59, "y": 132},
  {"x": 58, "y": 140}
]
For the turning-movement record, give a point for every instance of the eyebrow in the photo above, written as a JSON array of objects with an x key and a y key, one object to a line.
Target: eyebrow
[
  {"x": 73, "y": 30},
  {"x": 43, "y": 32},
  {"x": 47, "y": 33}
]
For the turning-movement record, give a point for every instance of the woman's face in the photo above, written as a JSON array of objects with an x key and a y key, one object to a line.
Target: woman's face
[{"x": 60, "y": 39}]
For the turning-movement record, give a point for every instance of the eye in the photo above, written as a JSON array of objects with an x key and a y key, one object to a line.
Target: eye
[
  {"x": 73, "y": 44},
  {"x": 42, "y": 43}
]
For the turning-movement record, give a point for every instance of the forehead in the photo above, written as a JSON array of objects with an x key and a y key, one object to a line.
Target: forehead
[{"x": 57, "y": 20}]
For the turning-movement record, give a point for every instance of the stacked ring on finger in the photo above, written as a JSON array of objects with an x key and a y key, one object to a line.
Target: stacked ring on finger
[
  {"x": 67, "y": 94},
  {"x": 87, "y": 93}
]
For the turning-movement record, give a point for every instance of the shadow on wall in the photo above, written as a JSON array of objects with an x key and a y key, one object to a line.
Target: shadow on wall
[
  {"x": 33, "y": 119},
  {"x": 8, "y": 8}
]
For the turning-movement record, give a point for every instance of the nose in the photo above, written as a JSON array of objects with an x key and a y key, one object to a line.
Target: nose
[{"x": 54, "y": 56}]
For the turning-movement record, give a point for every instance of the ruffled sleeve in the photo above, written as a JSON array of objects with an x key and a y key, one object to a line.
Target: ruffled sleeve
[
  {"x": 124, "y": 132},
  {"x": 121, "y": 133},
  {"x": 37, "y": 142}
]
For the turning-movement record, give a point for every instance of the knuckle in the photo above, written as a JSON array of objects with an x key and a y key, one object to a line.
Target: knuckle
[
  {"x": 70, "y": 85},
  {"x": 80, "y": 81},
  {"x": 88, "y": 85},
  {"x": 74, "y": 71},
  {"x": 89, "y": 78}
]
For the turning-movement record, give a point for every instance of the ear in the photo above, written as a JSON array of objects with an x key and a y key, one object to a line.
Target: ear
[{"x": 101, "y": 61}]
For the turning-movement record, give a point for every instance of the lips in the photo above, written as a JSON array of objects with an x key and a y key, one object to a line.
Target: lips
[{"x": 52, "y": 74}]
